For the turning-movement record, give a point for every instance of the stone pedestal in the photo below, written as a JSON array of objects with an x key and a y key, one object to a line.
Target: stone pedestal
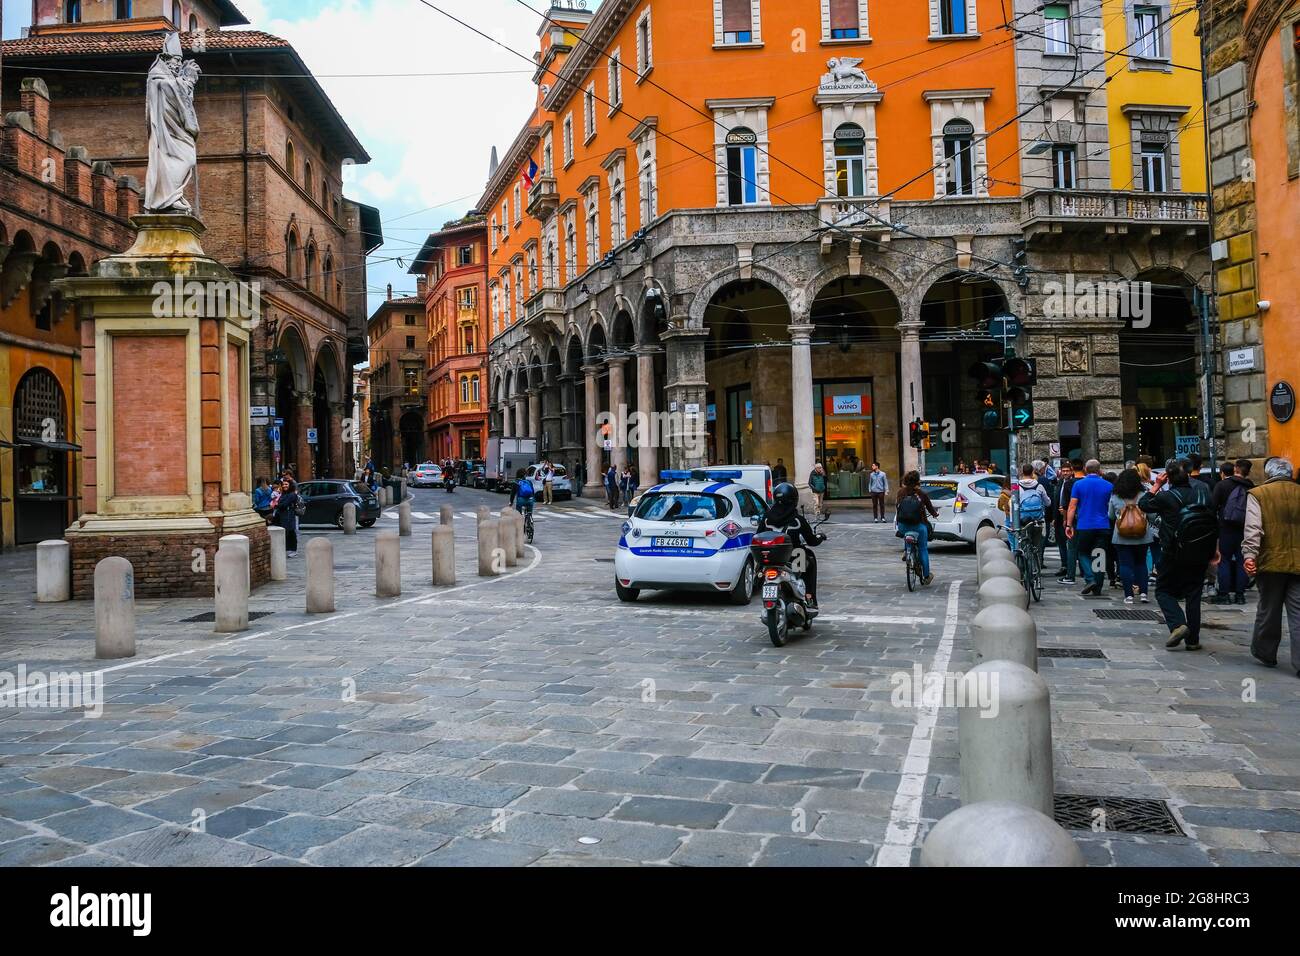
[{"x": 165, "y": 335}]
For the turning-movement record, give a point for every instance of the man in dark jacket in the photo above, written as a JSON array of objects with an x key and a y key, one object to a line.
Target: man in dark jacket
[
  {"x": 1178, "y": 582},
  {"x": 1229, "y": 500}
]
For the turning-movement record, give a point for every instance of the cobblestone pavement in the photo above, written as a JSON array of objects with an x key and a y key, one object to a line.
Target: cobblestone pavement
[{"x": 533, "y": 719}]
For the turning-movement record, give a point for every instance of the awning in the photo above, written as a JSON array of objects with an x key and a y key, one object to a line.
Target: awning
[{"x": 49, "y": 445}]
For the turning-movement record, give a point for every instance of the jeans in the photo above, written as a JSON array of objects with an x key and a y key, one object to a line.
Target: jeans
[
  {"x": 1174, "y": 586},
  {"x": 1086, "y": 543},
  {"x": 1277, "y": 591},
  {"x": 922, "y": 532},
  {"x": 878, "y": 504},
  {"x": 1133, "y": 568},
  {"x": 1065, "y": 548},
  {"x": 290, "y": 524},
  {"x": 1232, "y": 571}
]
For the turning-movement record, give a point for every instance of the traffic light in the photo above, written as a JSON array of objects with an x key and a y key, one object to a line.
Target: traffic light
[
  {"x": 925, "y": 436},
  {"x": 914, "y": 433},
  {"x": 990, "y": 410},
  {"x": 1022, "y": 376},
  {"x": 1020, "y": 262},
  {"x": 1020, "y": 372},
  {"x": 988, "y": 374}
]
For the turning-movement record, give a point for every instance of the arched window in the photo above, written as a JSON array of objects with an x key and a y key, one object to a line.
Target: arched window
[
  {"x": 617, "y": 213},
  {"x": 958, "y": 145},
  {"x": 291, "y": 256},
  {"x": 291, "y": 160},
  {"x": 194, "y": 23},
  {"x": 648, "y": 200},
  {"x": 742, "y": 167},
  {"x": 309, "y": 276},
  {"x": 327, "y": 283},
  {"x": 550, "y": 278},
  {"x": 72, "y": 11},
  {"x": 176, "y": 14},
  {"x": 306, "y": 177},
  {"x": 850, "y": 161},
  {"x": 570, "y": 251}
]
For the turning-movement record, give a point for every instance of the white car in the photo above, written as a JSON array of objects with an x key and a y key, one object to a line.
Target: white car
[
  {"x": 965, "y": 504},
  {"x": 427, "y": 475},
  {"x": 691, "y": 533},
  {"x": 561, "y": 485}
]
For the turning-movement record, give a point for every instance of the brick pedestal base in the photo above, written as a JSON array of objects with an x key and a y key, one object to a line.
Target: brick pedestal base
[{"x": 165, "y": 564}]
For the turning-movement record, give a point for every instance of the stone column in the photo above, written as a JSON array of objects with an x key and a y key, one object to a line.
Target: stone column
[
  {"x": 617, "y": 402},
  {"x": 647, "y": 454},
  {"x": 306, "y": 420},
  {"x": 801, "y": 400},
  {"x": 507, "y": 430},
  {"x": 535, "y": 415},
  {"x": 687, "y": 385},
  {"x": 910, "y": 394},
  {"x": 521, "y": 417},
  {"x": 592, "y": 487}
]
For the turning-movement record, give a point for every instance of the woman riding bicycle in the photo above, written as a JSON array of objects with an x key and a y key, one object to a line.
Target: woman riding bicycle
[{"x": 913, "y": 506}]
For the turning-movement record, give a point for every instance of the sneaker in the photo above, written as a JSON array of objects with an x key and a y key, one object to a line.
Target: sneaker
[
  {"x": 1145, "y": 599},
  {"x": 1129, "y": 601},
  {"x": 1241, "y": 599},
  {"x": 1177, "y": 636},
  {"x": 1092, "y": 590},
  {"x": 291, "y": 554},
  {"x": 1068, "y": 582},
  {"x": 1221, "y": 599},
  {"x": 928, "y": 580},
  {"x": 1193, "y": 647}
]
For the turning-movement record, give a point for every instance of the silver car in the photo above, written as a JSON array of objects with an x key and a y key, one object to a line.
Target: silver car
[{"x": 965, "y": 504}]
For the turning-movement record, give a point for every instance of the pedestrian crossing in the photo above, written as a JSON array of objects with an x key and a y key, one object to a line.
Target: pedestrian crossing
[{"x": 579, "y": 515}]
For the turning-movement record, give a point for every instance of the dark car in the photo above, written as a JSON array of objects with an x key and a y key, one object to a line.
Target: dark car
[{"x": 325, "y": 498}]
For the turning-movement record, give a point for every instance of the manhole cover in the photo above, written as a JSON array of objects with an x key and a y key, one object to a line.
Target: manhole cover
[
  {"x": 210, "y": 617},
  {"x": 1073, "y": 653},
  {"x": 1127, "y": 615},
  {"x": 1115, "y": 815}
]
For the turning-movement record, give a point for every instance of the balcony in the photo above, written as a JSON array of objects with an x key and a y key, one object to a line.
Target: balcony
[
  {"x": 864, "y": 218},
  {"x": 543, "y": 198},
  {"x": 544, "y": 313},
  {"x": 1111, "y": 212}
]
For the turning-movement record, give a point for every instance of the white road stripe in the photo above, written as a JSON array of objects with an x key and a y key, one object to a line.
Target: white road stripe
[
  {"x": 421, "y": 516},
  {"x": 905, "y": 816},
  {"x": 470, "y": 515}
]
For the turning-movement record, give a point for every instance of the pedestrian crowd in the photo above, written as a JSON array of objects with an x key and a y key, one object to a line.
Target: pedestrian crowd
[{"x": 281, "y": 506}]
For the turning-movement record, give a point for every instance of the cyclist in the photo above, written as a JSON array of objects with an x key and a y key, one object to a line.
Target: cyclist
[
  {"x": 525, "y": 495},
  {"x": 784, "y": 516},
  {"x": 914, "y": 509},
  {"x": 1034, "y": 504}
]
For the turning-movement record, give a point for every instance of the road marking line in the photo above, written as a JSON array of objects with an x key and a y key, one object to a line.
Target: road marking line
[
  {"x": 422, "y": 598},
  {"x": 905, "y": 815}
]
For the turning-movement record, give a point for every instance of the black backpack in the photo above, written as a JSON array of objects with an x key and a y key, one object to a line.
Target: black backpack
[
  {"x": 1234, "y": 509},
  {"x": 910, "y": 510},
  {"x": 1196, "y": 535}
]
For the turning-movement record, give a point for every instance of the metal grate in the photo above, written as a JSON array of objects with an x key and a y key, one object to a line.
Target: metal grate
[
  {"x": 210, "y": 617},
  {"x": 1073, "y": 653},
  {"x": 40, "y": 401},
  {"x": 1115, "y": 815},
  {"x": 1126, "y": 615}
]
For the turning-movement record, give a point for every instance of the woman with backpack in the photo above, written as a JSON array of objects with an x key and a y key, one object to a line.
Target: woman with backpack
[
  {"x": 914, "y": 509},
  {"x": 1132, "y": 536}
]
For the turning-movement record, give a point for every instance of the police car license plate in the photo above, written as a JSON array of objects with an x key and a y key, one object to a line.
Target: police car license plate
[
  {"x": 771, "y": 592},
  {"x": 672, "y": 542}
]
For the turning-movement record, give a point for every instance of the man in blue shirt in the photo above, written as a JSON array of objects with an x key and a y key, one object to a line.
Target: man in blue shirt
[{"x": 1088, "y": 524}]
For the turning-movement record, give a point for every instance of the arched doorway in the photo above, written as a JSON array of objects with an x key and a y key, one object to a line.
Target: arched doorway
[
  {"x": 1159, "y": 363},
  {"x": 855, "y": 373},
  {"x": 955, "y": 313},
  {"x": 291, "y": 384},
  {"x": 747, "y": 422},
  {"x": 43, "y": 474}
]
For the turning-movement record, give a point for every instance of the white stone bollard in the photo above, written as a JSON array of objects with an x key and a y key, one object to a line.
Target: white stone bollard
[
  {"x": 349, "y": 519},
  {"x": 241, "y": 542},
  {"x": 986, "y": 533},
  {"x": 1003, "y": 590},
  {"x": 401, "y": 490},
  {"x": 483, "y": 513},
  {"x": 388, "y": 564},
  {"x": 489, "y": 544},
  {"x": 386, "y": 496},
  {"x": 446, "y": 516},
  {"x": 404, "y": 519},
  {"x": 1004, "y": 736},
  {"x": 114, "y": 609},
  {"x": 993, "y": 548},
  {"x": 53, "y": 572},
  {"x": 444, "y": 556},
  {"x": 279, "y": 560},
  {"x": 232, "y": 588},
  {"x": 1005, "y": 633},
  {"x": 510, "y": 528},
  {"x": 998, "y": 833},
  {"x": 998, "y": 568},
  {"x": 320, "y": 576}
]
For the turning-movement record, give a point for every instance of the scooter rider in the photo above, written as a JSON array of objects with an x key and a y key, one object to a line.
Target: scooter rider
[{"x": 784, "y": 516}]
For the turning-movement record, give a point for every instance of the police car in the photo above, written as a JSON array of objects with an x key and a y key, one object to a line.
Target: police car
[{"x": 691, "y": 533}]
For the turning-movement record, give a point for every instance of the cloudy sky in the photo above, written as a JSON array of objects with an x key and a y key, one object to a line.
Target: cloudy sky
[{"x": 430, "y": 136}]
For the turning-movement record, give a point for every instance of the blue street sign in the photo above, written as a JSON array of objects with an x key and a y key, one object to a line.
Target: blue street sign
[
  {"x": 1004, "y": 326},
  {"x": 274, "y": 433},
  {"x": 312, "y": 436}
]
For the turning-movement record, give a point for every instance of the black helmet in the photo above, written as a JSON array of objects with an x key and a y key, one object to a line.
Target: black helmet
[{"x": 785, "y": 495}]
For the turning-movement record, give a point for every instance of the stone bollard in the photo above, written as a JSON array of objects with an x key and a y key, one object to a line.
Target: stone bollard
[
  {"x": 232, "y": 587},
  {"x": 1003, "y": 590},
  {"x": 1005, "y": 633},
  {"x": 349, "y": 519},
  {"x": 446, "y": 516},
  {"x": 279, "y": 561},
  {"x": 239, "y": 541},
  {"x": 998, "y": 567},
  {"x": 986, "y": 533},
  {"x": 388, "y": 564},
  {"x": 482, "y": 513},
  {"x": 489, "y": 543},
  {"x": 404, "y": 519},
  {"x": 114, "y": 609},
  {"x": 320, "y": 576},
  {"x": 997, "y": 833},
  {"x": 53, "y": 572},
  {"x": 511, "y": 530},
  {"x": 993, "y": 547},
  {"x": 444, "y": 556},
  {"x": 1004, "y": 736}
]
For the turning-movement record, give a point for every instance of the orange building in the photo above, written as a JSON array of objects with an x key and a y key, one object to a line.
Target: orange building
[{"x": 452, "y": 270}]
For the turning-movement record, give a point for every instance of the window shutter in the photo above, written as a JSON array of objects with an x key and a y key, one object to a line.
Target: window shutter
[
  {"x": 737, "y": 16},
  {"x": 844, "y": 15}
]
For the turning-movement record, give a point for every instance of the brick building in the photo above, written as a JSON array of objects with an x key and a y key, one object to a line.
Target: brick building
[
  {"x": 452, "y": 268},
  {"x": 398, "y": 333},
  {"x": 269, "y": 190},
  {"x": 60, "y": 212}
]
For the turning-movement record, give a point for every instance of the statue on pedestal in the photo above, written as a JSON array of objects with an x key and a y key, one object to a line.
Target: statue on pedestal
[{"x": 173, "y": 130}]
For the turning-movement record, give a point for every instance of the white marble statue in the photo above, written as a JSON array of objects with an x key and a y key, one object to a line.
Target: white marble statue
[{"x": 173, "y": 130}]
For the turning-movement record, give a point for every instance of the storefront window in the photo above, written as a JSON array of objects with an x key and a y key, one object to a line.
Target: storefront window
[{"x": 845, "y": 432}]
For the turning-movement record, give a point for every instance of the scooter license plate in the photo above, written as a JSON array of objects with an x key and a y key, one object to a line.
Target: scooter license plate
[{"x": 771, "y": 592}]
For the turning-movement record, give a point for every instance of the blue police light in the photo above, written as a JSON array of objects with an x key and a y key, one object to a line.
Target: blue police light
[
  {"x": 717, "y": 475},
  {"x": 674, "y": 476}
]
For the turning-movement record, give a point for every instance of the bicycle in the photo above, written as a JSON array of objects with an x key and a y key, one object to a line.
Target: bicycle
[
  {"x": 912, "y": 560},
  {"x": 1030, "y": 559},
  {"x": 528, "y": 525}
]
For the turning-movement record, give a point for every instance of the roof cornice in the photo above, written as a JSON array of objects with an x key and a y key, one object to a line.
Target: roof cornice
[
  {"x": 523, "y": 145},
  {"x": 587, "y": 52}
]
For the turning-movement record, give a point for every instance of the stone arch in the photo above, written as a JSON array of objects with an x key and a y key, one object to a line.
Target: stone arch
[
  {"x": 327, "y": 362},
  {"x": 943, "y": 271},
  {"x": 622, "y": 332},
  {"x": 51, "y": 253},
  {"x": 652, "y": 313},
  {"x": 573, "y": 354},
  {"x": 294, "y": 346},
  {"x": 597, "y": 344},
  {"x": 704, "y": 296},
  {"x": 76, "y": 264},
  {"x": 873, "y": 270}
]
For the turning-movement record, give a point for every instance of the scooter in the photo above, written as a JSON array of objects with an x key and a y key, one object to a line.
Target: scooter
[
  {"x": 785, "y": 596},
  {"x": 449, "y": 481}
]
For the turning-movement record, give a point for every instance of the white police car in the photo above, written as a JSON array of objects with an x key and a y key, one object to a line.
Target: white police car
[{"x": 691, "y": 533}]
